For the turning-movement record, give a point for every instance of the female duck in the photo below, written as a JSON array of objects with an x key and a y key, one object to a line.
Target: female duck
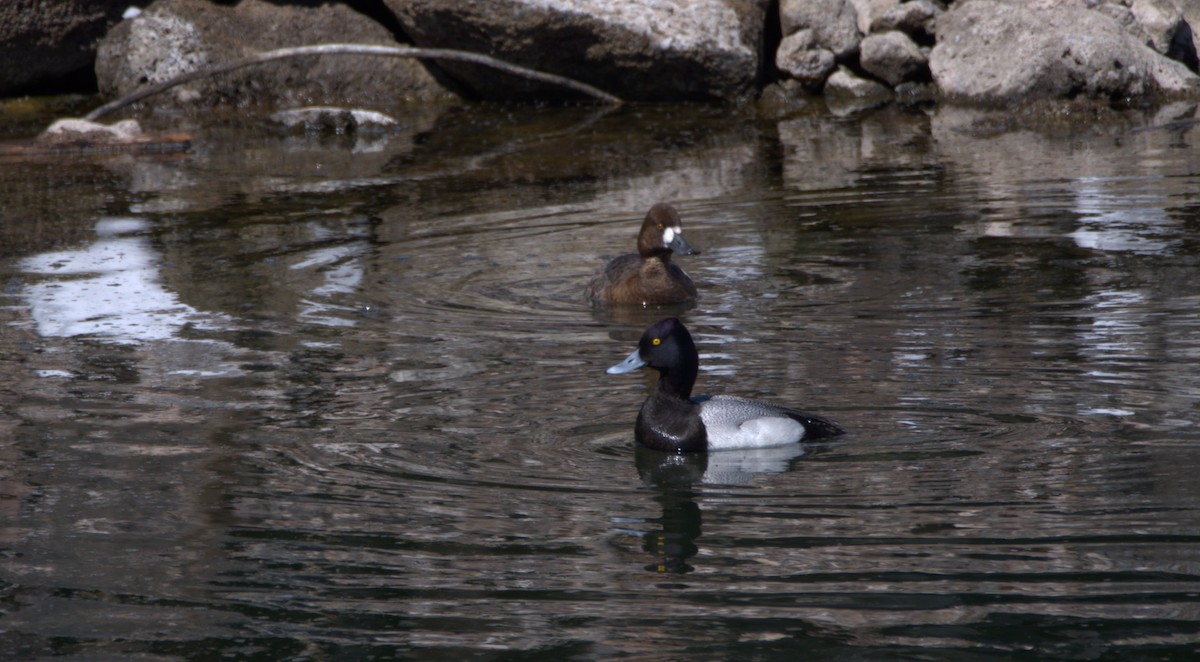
[
  {"x": 671, "y": 420},
  {"x": 649, "y": 277}
]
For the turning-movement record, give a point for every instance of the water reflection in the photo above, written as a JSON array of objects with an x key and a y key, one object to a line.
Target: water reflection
[
  {"x": 109, "y": 289},
  {"x": 286, "y": 398},
  {"x": 678, "y": 480}
]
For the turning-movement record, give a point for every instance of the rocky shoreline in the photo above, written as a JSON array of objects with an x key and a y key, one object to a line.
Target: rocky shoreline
[{"x": 996, "y": 53}]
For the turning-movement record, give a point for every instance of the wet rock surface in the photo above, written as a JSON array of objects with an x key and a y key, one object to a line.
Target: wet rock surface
[
  {"x": 694, "y": 49},
  {"x": 173, "y": 37}
]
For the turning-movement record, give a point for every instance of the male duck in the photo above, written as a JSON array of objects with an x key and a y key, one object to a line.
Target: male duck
[
  {"x": 671, "y": 420},
  {"x": 648, "y": 277}
]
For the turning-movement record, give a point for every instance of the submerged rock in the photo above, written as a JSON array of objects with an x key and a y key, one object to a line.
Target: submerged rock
[
  {"x": 172, "y": 37},
  {"x": 654, "y": 51},
  {"x": 333, "y": 119},
  {"x": 73, "y": 128},
  {"x": 74, "y": 135}
]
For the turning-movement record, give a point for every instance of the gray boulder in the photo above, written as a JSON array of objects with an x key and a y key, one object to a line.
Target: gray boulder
[
  {"x": 1161, "y": 22},
  {"x": 993, "y": 52},
  {"x": 846, "y": 92},
  {"x": 892, "y": 57},
  {"x": 869, "y": 12},
  {"x": 172, "y": 37},
  {"x": 916, "y": 18},
  {"x": 802, "y": 60},
  {"x": 834, "y": 24},
  {"x": 689, "y": 49},
  {"x": 44, "y": 41}
]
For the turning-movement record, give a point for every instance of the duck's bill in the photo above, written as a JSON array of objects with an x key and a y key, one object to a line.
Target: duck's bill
[
  {"x": 631, "y": 363},
  {"x": 680, "y": 246}
]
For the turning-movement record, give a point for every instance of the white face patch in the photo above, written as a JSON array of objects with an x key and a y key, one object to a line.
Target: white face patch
[{"x": 669, "y": 235}]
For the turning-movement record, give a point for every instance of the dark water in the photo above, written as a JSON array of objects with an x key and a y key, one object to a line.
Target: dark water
[{"x": 293, "y": 397}]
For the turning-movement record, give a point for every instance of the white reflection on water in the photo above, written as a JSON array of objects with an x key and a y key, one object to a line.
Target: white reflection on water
[
  {"x": 1121, "y": 220},
  {"x": 342, "y": 271},
  {"x": 110, "y": 289}
]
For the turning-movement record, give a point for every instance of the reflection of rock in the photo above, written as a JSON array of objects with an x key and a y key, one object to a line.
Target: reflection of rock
[
  {"x": 821, "y": 153},
  {"x": 643, "y": 51},
  {"x": 1106, "y": 204},
  {"x": 37, "y": 214},
  {"x": 173, "y": 37},
  {"x": 263, "y": 165},
  {"x": 576, "y": 149}
]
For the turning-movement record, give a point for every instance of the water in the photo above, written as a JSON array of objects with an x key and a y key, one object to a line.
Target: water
[{"x": 293, "y": 397}]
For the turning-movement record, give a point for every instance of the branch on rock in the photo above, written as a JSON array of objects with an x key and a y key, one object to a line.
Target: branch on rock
[{"x": 355, "y": 49}]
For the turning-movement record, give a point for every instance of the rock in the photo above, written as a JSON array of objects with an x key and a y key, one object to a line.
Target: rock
[
  {"x": 653, "y": 51},
  {"x": 1160, "y": 20},
  {"x": 79, "y": 136},
  {"x": 915, "y": 18},
  {"x": 834, "y": 24},
  {"x": 846, "y": 92},
  {"x": 892, "y": 57},
  {"x": 172, "y": 37},
  {"x": 1167, "y": 29},
  {"x": 46, "y": 41},
  {"x": 993, "y": 52},
  {"x": 868, "y": 12},
  {"x": 801, "y": 60},
  {"x": 73, "y": 128},
  {"x": 332, "y": 119}
]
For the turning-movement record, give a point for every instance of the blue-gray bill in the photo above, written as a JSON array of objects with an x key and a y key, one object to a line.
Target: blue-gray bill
[{"x": 631, "y": 363}]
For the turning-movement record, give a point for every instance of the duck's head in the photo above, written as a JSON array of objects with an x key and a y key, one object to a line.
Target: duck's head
[
  {"x": 662, "y": 233},
  {"x": 666, "y": 345}
]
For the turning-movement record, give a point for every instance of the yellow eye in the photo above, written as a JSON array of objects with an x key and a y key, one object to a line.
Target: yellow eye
[
  {"x": 656, "y": 342},
  {"x": 659, "y": 226}
]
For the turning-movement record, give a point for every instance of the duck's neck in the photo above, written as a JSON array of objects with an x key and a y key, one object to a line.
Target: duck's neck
[
  {"x": 657, "y": 253},
  {"x": 678, "y": 381}
]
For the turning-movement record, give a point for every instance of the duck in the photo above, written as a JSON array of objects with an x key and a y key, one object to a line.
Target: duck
[
  {"x": 672, "y": 420},
  {"x": 648, "y": 277}
]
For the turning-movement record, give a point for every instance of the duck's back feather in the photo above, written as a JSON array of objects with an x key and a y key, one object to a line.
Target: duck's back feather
[{"x": 633, "y": 279}]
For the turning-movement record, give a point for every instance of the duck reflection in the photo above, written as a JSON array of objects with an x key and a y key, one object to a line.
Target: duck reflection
[{"x": 677, "y": 477}]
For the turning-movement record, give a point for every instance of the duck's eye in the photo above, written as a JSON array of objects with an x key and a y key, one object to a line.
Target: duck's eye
[
  {"x": 656, "y": 342},
  {"x": 659, "y": 226}
]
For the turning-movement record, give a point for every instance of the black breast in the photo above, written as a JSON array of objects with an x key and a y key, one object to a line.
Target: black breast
[{"x": 672, "y": 425}]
